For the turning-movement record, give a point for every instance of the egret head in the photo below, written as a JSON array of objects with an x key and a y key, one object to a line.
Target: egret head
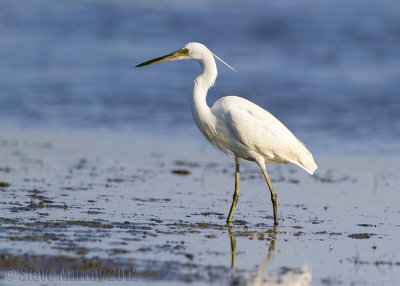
[
  {"x": 183, "y": 54},
  {"x": 192, "y": 51}
]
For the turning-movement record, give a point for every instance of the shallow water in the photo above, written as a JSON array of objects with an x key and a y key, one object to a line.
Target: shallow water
[{"x": 163, "y": 215}]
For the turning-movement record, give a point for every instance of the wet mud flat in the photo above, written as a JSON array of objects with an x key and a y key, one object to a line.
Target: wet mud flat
[{"x": 94, "y": 210}]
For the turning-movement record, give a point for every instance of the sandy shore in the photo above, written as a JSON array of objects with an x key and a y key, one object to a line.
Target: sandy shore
[{"x": 150, "y": 209}]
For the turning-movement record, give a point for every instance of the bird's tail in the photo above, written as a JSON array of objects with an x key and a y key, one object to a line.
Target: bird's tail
[
  {"x": 305, "y": 160},
  {"x": 309, "y": 164}
]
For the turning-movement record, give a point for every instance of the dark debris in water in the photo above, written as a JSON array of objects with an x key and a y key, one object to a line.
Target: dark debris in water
[
  {"x": 5, "y": 169},
  {"x": 151, "y": 200},
  {"x": 299, "y": 233},
  {"x": 4, "y": 185},
  {"x": 335, "y": 233},
  {"x": 115, "y": 180},
  {"x": 94, "y": 212},
  {"x": 316, "y": 221},
  {"x": 182, "y": 172},
  {"x": 35, "y": 237},
  {"x": 361, "y": 235},
  {"x": 198, "y": 225},
  {"x": 35, "y": 206},
  {"x": 68, "y": 223},
  {"x": 239, "y": 222},
  {"x": 380, "y": 262},
  {"x": 117, "y": 251},
  {"x": 366, "y": 225},
  {"x": 211, "y": 214}
]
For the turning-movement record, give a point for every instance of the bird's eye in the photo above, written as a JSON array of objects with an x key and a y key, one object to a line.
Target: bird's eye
[{"x": 186, "y": 50}]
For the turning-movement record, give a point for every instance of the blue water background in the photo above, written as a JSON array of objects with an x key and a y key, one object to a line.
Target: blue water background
[{"x": 329, "y": 70}]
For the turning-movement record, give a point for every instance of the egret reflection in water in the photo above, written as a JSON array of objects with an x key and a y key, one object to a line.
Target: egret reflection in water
[{"x": 286, "y": 277}]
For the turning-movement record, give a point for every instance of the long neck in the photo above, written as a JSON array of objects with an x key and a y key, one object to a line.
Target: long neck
[{"x": 201, "y": 111}]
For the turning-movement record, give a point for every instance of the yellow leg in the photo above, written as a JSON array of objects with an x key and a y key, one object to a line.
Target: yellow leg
[
  {"x": 236, "y": 193},
  {"x": 274, "y": 197}
]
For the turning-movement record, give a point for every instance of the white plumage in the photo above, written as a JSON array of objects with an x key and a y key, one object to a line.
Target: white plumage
[
  {"x": 258, "y": 134},
  {"x": 239, "y": 127}
]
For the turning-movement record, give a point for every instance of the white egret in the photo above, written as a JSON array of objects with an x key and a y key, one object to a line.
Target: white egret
[{"x": 238, "y": 127}]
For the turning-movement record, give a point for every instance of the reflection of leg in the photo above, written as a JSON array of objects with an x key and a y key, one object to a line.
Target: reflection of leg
[
  {"x": 236, "y": 193},
  {"x": 272, "y": 246},
  {"x": 271, "y": 250},
  {"x": 274, "y": 197},
  {"x": 233, "y": 247}
]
